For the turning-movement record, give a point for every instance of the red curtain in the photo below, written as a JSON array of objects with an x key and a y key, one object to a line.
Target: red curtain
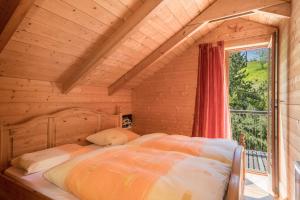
[{"x": 211, "y": 108}]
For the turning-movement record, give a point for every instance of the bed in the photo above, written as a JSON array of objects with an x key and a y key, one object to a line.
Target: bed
[
  {"x": 39, "y": 184},
  {"x": 61, "y": 128}
]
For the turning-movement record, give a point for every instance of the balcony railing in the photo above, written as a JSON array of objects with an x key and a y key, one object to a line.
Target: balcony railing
[{"x": 254, "y": 126}]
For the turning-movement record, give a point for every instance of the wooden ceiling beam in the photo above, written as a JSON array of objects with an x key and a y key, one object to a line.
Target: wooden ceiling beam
[
  {"x": 248, "y": 43},
  {"x": 11, "y": 15},
  {"x": 282, "y": 10},
  {"x": 237, "y": 32},
  {"x": 132, "y": 24},
  {"x": 218, "y": 11}
]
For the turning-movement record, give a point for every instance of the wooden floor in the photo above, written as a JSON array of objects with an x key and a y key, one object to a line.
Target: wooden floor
[
  {"x": 256, "y": 161},
  {"x": 257, "y": 187}
]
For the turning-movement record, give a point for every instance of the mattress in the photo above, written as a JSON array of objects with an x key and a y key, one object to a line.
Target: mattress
[{"x": 38, "y": 183}]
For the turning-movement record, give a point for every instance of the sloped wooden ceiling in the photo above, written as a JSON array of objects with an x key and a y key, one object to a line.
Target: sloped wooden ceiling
[
  {"x": 56, "y": 37},
  {"x": 264, "y": 18},
  {"x": 180, "y": 49},
  {"x": 57, "y": 34},
  {"x": 233, "y": 31}
]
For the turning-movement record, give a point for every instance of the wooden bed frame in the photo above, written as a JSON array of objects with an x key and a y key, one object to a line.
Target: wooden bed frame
[{"x": 64, "y": 127}]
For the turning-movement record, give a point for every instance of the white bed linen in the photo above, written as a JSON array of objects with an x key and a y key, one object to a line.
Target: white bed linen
[{"x": 38, "y": 183}]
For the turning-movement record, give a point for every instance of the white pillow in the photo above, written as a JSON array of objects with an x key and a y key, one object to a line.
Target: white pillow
[
  {"x": 45, "y": 159},
  {"x": 113, "y": 136}
]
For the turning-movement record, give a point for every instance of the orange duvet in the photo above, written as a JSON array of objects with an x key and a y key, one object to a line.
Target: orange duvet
[
  {"x": 217, "y": 149},
  {"x": 137, "y": 173}
]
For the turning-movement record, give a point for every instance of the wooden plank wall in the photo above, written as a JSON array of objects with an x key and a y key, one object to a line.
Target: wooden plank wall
[
  {"x": 283, "y": 123},
  {"x": 21, "y": 99},
  {"x": 293, "y": 97},
  {"x": 165, "y": 102}
]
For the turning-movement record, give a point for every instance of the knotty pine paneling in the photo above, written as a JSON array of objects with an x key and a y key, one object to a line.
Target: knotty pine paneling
[
  {"x": 165, "y": 102},
  {"x": 57, "y": 36},
  {"x": 293, "y": 100},
  {"x": 21, "y": 99},
  {"x": 283, "y": 118}
]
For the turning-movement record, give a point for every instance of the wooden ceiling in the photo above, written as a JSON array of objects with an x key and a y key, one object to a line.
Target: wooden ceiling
[{"x": 56, "y": 39}]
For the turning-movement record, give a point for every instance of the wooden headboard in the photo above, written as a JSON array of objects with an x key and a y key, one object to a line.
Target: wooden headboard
[{"x": 67, "y": 126}]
